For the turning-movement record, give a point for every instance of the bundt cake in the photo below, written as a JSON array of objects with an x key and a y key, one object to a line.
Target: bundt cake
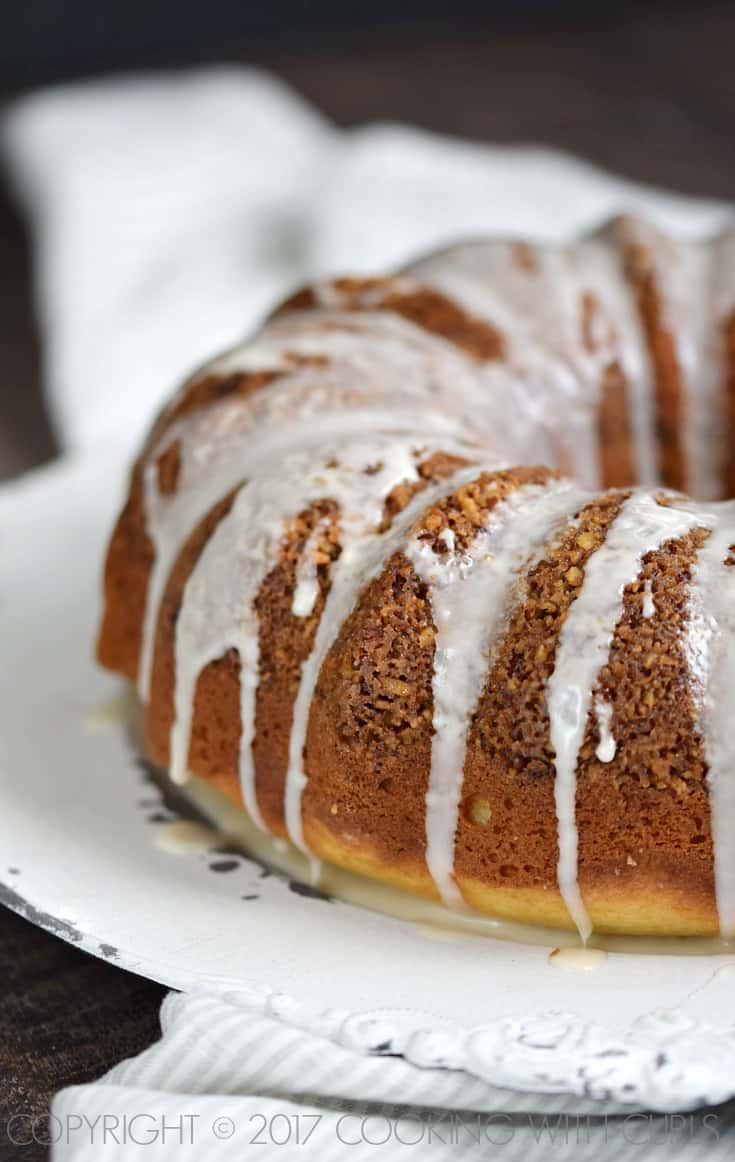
[{"x": 413, "y": 578}]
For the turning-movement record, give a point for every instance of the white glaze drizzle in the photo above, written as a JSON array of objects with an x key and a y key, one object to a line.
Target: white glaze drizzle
[
  {"x": 360, "y": 561},
  {"x": 686, "y": 278},
  {"x": 606, "y": 747},
  {"x": 186, "y": 837},
  {"x": 306, "y": 589},
  {"x": 710, "y": 648},
  {"x": 381, "y": 358},
  {"x": 620, "y": 339},
  {"x": 697, "y": 333},
  {"x": 641, "y": 526},
  {"x": 213, "y": 469},
  {"x": 469, "y": 591},
  {"x": 236, "y": 828},
  {"x": 388, "y": 358},
  {"x": 538, "y": 306},
  {"x": 687, "y": 285},
  {"x": 218, "y": 607},
  {"x": 578, "y": 959},
  {"x": 649, "y": 604},
  {"x": 536, "y": 311}
]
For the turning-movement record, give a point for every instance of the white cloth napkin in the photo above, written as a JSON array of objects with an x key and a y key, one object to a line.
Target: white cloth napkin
[
  {"x": 225, "y": 1080},
  {"x": 169, "y": 214}
]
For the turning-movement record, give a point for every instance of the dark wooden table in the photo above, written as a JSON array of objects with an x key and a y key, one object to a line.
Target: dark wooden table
[{"x": 651, "y": 96}]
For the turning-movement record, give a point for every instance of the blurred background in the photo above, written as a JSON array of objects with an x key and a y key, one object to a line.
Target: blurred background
[{"x": 644, "y": 89}]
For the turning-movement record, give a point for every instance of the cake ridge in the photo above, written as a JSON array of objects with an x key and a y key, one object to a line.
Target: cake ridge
[
  {"x": 641, "y": 525},
  {"x": 358, "y": 563},
  {"x": 218, "y": 608},
  {"x": 468, "y": 593},
  {"x": 712, "y": 667}
]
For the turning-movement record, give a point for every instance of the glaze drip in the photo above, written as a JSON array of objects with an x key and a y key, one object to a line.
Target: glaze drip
[
  {"x": 306, "y": 590},
  {"x": 649, "y": 605},
  {"x": 641, "y": 526},
  {"x": 469, "y": 591},
  {"x": 337, "y": 374},
  {"x": 607, "y": 746},
  {"x": 360, "y": 561},
  {"x": 710, "y": 648},
  {"x": 218, "y": 609}
]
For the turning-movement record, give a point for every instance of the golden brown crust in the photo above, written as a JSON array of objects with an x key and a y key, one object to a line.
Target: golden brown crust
[
  {"x": 441, "y": 316},
  {"x": 648, "y": 808},
  {"x": 669, "y": 399},
  {"x": 285, "y": 642},
  {"x": 127, "y": 571},
  {"x": 130, "y": 553},
  {"x": 368, "y": 746},
  {"x": 614, "y": 430},
  {"x": 650, "y": 900},
  {"x": 426, "y": 307},
  {"x": 643, "y": 818},
  {"x": 510, "y": 760},
  {"x": 216, "y": 702}
]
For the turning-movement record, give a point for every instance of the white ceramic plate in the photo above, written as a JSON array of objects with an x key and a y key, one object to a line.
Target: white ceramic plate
[{"x": 78, "y": 855}]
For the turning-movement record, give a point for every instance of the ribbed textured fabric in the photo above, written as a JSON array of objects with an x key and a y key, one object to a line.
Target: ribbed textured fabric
[
  {"x": 170, "y": 212},
  {"x": 224, "y": 1081}
]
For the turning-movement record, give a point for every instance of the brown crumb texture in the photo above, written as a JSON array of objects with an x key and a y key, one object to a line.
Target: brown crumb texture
[
  {"x": 285, "y": 642},
  {"x": 617, "y": 466},
  {"x": 304, "y": 299},
  {"x": 670, "y": 394},
  {"x": 615, "y": 436},
  {"x": 216, "y": 718},
  {"x": 204, "y": 391},
  {"x": 131, "y": 553},
  {"x": 424, "y": 306},
  {"x": 506, "y": 833},
  {"x": 368, "y": 746},
  {"x": 369, "y": 739},
  {"x": 168, "y": 466},
  {"x": 467, "y": 509},
  {"x": 646, "y": 813},
  {"x": 128, "y": 565},
  {"x": 440, "y": 315},
  {"x": 433, "y": 469}
]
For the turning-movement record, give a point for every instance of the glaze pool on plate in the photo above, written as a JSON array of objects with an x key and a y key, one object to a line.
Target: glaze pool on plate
[{"x": 232, "y": 825}]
